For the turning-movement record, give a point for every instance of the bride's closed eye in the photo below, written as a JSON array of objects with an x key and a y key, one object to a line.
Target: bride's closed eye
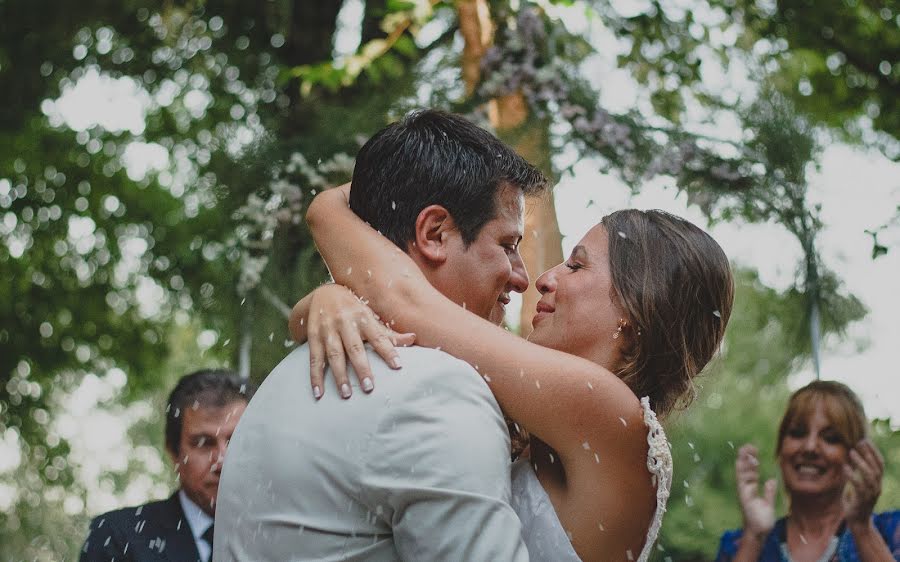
[{"x": 574, "y": 266}]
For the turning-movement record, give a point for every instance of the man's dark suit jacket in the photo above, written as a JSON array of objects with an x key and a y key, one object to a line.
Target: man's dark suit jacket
[{"x": 157, "y": 531}]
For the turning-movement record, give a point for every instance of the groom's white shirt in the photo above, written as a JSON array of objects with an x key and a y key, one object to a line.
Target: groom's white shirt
[{"x": 417, "y": 470}]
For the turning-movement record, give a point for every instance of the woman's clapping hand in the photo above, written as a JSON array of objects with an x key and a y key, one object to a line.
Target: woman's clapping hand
[
  {"x": 864, "y": 472},
  {"x": 758, "y": 510}
]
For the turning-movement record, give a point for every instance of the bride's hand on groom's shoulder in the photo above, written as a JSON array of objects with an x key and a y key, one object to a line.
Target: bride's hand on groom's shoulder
[{"x": 338, "y": 324}]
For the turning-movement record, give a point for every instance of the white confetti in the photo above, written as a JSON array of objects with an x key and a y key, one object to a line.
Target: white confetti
[
  {"x": 590, "y": 386},
  {"x": 393, "y": 205},
  {"x": 628, "y": 552},
  {"x": 271, "y": 336},
  {"x": 600, "y": 526},
  {"x": 624, "y": 423},
  {"x": 349, "y": 270},
  {"x": 622, "y": 234},
  {"x": 586, "y": 445},
  {"x": 597, "y": 458},
  {"x": 537, "y": 384},
  {"x": 717, "y": 314}
]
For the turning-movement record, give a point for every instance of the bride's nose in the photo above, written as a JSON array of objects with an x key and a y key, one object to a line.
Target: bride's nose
[{"x": 547, "y": 281}]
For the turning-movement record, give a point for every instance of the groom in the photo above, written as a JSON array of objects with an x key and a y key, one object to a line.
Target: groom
[{"x": 420, "y": 469}]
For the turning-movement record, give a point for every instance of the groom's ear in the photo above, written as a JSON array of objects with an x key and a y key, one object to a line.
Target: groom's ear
[{"x": 433, "y": 227}]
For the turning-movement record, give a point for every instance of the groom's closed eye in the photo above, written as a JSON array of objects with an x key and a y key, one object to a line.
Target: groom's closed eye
[{"x": 511, "y": 244}]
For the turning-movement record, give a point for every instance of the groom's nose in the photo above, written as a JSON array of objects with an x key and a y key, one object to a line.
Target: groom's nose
[{"x": 518, "y": 278}]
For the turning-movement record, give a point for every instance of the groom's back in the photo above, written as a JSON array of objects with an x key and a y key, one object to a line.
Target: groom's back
[{"x": 416, "y": 470}]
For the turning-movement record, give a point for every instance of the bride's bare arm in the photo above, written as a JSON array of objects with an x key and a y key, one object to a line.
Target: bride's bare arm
[{"x": 573, "y": 405}]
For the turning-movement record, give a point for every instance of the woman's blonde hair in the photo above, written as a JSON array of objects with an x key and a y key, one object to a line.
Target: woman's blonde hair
[{"x": 842, "y": 406}]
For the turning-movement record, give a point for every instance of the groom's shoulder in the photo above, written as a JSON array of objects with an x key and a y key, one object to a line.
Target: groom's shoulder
[
  {"x": 427, "y": 362},
  {"x": 431, "y": 357},
  {"x": 431, "y": 369}
]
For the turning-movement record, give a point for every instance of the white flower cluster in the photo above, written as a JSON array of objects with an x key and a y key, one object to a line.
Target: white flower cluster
[
  {"x": 280, "y": 205},
  {"x": 524, "y": 60}
]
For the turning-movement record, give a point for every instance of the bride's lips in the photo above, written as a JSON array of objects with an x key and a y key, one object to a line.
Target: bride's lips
[{"x": 543, "y": 310}]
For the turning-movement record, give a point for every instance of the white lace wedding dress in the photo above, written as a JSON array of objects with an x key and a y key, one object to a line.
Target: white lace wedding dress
[{"x": 541, "y": 530}]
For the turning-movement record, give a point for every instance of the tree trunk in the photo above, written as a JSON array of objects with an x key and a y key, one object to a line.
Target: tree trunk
[{"x": 542, "y": 245}]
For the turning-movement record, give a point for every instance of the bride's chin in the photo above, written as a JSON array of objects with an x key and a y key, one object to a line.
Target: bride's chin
[{"x": 535, "y": 336}]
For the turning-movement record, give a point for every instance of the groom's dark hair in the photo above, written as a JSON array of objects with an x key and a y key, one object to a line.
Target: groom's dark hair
[{"x": 431, "y": 157}]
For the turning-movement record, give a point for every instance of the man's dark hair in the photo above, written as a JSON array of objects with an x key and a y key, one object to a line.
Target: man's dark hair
[
  {"x": 432, "y": 157},
  {"x": 207, "y": 388}
]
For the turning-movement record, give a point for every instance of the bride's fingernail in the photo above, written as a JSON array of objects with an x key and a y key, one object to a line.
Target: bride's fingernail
[
  {"x": 395, "y": 362},
  {"x": 367, "y": 384},
  {"x": 345, "y": 390},
  {"x": 317, "y": 392}
]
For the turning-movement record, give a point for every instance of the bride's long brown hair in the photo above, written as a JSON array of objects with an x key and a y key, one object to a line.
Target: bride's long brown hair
[{"x": 675, "y": 285}]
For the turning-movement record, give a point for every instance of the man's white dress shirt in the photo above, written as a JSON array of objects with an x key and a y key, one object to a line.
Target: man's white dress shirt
[{"x": 199, "y": 522}]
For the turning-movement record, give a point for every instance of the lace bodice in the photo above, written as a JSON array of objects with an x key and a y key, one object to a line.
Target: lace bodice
[{"x": 542, "y": 532}]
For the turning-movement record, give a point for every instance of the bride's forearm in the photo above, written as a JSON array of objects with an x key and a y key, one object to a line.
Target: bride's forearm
[{"x": 360, "y": 258}]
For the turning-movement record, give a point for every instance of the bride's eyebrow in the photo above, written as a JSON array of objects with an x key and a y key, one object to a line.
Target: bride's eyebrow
[{"x": 579, "y": 253}]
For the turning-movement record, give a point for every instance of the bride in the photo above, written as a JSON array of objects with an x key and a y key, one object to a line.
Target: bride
[{"x": 622, "y": 326}]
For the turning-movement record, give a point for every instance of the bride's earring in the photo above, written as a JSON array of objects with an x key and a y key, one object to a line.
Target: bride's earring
[{"x": 618, "y": 331}]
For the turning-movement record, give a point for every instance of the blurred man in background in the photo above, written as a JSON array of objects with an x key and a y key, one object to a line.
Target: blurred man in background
[{"x": 201, "y": 414}]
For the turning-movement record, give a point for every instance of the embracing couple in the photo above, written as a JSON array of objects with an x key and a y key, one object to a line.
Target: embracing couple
[{"x": 416, "y": 466}]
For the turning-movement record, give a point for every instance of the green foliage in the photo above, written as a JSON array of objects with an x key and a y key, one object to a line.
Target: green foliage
[{"x": 847, "y": 53}]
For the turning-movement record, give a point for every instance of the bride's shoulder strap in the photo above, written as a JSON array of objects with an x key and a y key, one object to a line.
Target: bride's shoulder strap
[{"x": 659, "y": 463}]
